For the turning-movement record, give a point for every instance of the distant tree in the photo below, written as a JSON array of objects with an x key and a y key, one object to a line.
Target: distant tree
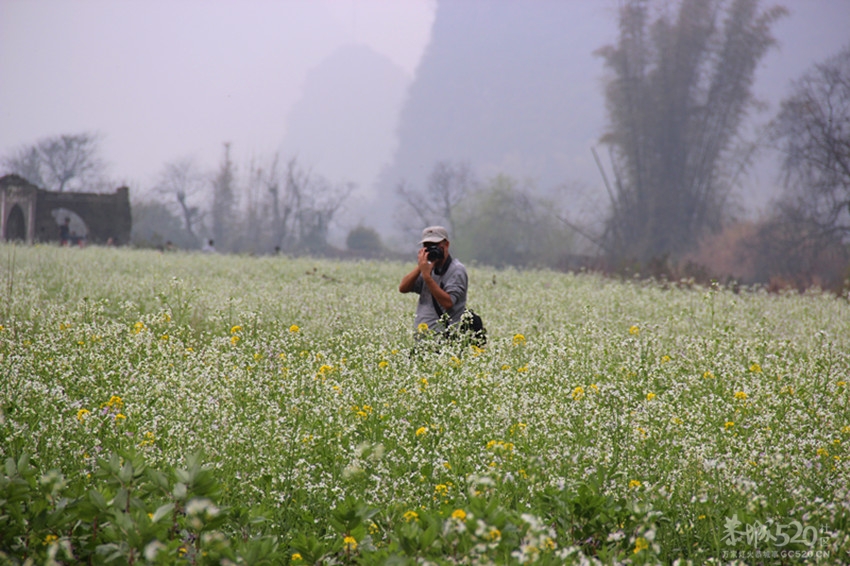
[
  {"x": 223, "y": 201},
  {"x": 791, "y": 249},
  {"x": 364, "y": 241},
  {"x": 59, "y": 163},
  {"x": 448, "y": 186},
  {"x": 303, "y": 206},
  {"x": 503, "y": 224},
  {"x": 154, "y": 224},
  {"x": 183, "y": 181},
  {"x": 813, "y": 132},
  {"x": 679, "y": 91}
]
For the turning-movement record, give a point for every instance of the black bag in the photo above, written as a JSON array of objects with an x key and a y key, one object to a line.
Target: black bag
[
  {"x": 470, "y": 326},
  {"x": 470, "y": 322}
]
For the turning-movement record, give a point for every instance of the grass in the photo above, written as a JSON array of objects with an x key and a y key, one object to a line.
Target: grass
[{"x": 608, "y": 420}]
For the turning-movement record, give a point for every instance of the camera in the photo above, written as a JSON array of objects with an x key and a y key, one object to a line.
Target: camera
[{"x": 435, "y": 252}]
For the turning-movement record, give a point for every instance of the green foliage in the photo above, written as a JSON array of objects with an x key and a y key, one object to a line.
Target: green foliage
[
  {"x": 154, "y": 225},
  {"x": 504, "y": 225},
  {"x": 364, "y": 241},
  {"x": 129, "y": 513}
]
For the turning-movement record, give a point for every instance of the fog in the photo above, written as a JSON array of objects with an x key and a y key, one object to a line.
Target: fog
[{"x": 362, "y": 91}]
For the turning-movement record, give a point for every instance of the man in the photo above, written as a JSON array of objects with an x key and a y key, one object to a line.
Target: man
[
  {"x": 65, "y": 232},
  {"x": 439, "y": 279}
]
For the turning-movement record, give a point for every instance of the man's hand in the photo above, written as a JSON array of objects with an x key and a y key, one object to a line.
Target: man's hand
[{"x": 425, "y": 266}]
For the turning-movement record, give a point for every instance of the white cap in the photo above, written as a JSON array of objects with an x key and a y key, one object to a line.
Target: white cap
[{"x": 434, "y": 234}]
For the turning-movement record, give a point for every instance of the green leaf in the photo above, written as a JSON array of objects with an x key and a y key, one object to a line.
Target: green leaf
[{"x": 162, "y": 512}]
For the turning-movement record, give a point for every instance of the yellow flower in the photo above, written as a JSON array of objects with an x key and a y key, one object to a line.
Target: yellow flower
[
  {"x": 456, "y": 361},
  {"x": 166, "y": 317},
  {"x": 294, "y": 328},
  {"x": 50, "y": 539},
  {"x": 634, "y": 484},
  {"x": 423, "y": 326},
  {"x": 708, "y": 375},
  {"x": 822, "y": 452},
  {"x": 494, "y": 535},
  {"x": 839, "y": 384},
  {"x": 755, "y": 368},
  {"x": 740, "y": 395},
  {"x": 164, "y": 337},
  {"x": 845, "y": 430},
  {"x": 81, "y": 414},
  {"x": 641, "y": 544},
  {"x": 522, "y": 369},
  {"x": 728, "y": 424},
  {"x": 634, "y": 330},
  {"x": 139, "y": 327},
  {"x": 441, "y": 489},
  {"x": 459, "y": 514},
  {"x": 297, "y": 557},
  {"x": 383, "y": 363},
  {"x": 578, "y": 393},
  {"x": 120, "y": 416},
  {"x": 421, "y": 430},
  {"x": 411, "y": 516},
  {"x": 350, "y": 543},
  {"x": 234, "y": 339},
  {"x": 235, "y": 329},
  {"x": 650, "y": 396},
  {"x": 665, "y": 359},
  {"x": 115, "y": 401},
  {"x": 519, "y": 340}
]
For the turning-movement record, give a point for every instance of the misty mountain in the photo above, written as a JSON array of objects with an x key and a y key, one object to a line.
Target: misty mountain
[
  {"x": 343, "y": 127},
  {"x": 501, "y": 88}
]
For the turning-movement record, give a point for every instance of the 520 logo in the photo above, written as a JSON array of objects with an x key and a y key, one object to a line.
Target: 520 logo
[{"x": 779, "y": 534}]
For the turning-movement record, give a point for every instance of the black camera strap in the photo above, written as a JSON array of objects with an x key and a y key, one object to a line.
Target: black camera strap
[{"x": 445, "y": 268}]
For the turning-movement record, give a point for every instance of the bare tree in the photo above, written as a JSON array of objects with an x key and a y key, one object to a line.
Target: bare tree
[
  {"x": 183, "y": 181},
  {"x": 448, "y": 186},
  {"x": 304, "y": 209},
  {"x": 223, "y": 201},
  {"x": 678, "y": 94},
  {"x": 813, "y": 131},
  {"x": 59, "y": 163}
]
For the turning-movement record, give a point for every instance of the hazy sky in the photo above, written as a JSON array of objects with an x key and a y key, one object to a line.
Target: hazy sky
[{"x": 166, "y": 79}]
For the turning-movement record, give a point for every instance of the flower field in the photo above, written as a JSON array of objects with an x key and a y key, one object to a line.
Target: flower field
[{"x": 186, "y": 408}]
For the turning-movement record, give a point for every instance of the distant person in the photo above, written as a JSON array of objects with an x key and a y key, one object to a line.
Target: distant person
[
  {"x": 65, "y": 232},
  {"x": 440, "y": 281},
  {"x": 209, "y": 247}
]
